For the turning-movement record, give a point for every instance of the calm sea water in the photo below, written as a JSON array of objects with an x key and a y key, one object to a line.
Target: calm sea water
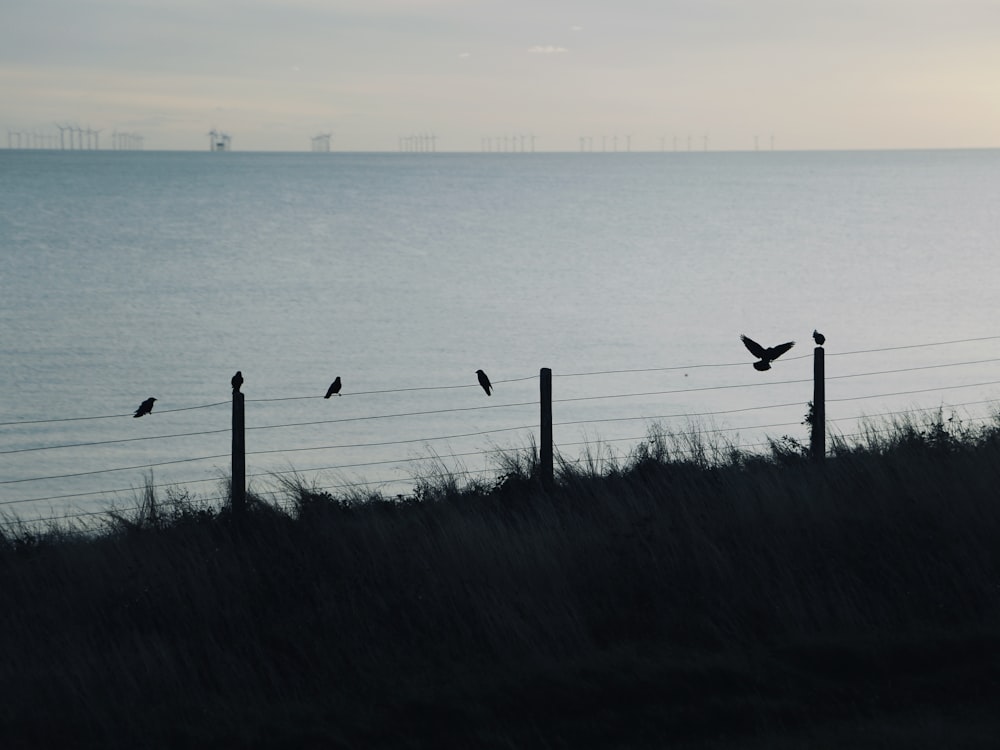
[{"x": 126, "y": 275}]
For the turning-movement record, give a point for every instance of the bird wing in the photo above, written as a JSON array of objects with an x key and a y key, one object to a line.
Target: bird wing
[
  {"x": 755, "y": 349},
  {"x": 776, "y": 351},
  {"x": 329, "y": 391}
]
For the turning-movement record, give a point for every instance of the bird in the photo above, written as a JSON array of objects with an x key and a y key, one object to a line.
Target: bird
[
  {"x": 818, "y": 337},
  {"x": 237, "y": 381},
  {"x": 484, "y": 381},
  {"x": 766, "y": 356},
  {"x": 334, "y": 388},
  {"x": 145, "y": 407}
]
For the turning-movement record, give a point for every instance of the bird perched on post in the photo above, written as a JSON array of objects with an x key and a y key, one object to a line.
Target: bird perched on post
[
  {"x": 766, "y": 356},
  {"x": 237, "y": 381},
  {"x": 484, "y": 381},
  {"x": 145, "y": 407},
  {"x": 818, "y": 337},
  {"x": 334, "y": 388}
]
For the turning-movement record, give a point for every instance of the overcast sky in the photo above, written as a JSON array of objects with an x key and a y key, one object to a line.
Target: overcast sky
[{"x": 814, "y": 74}]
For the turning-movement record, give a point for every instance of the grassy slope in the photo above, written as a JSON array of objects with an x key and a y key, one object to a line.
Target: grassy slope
[{"x": 715, "y": 601}]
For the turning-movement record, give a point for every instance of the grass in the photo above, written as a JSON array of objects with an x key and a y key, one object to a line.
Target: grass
[{"x": 692, "y": 595}]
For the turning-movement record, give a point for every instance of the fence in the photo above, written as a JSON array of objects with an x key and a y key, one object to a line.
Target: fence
[{"x": 368, "y": 448}]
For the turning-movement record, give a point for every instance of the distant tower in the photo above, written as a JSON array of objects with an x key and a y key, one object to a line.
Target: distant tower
[
  {"x": 218, "y": 141},
  {"x": 321, "y": 143}
]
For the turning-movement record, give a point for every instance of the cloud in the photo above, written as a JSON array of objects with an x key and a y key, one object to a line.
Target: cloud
[{"x": 547, "y": 49}]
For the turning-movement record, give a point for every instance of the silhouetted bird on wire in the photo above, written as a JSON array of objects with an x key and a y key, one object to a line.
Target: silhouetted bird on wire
[
  {"x": 818, "y": 337},
  {"x": 237, "y": 381},
  {"x": 334, "y": 388},
  {"x": 766, "y": 356},
  {"x": 145, "y": 407},
  {"x": 485, "y": 382}
]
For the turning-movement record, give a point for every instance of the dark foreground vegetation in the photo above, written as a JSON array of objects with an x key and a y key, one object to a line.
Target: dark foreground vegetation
[{"x": 690, "y": 596}]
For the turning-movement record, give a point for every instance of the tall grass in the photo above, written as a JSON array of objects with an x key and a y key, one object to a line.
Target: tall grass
[{"x": 689, "y": 595}]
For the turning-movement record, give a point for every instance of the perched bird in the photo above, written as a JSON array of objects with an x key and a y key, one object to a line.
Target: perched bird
[
  {"x": 818, "y": 337},
  {"x": 766, "y": 356},
  {"x": 237, "y": 381},
  {"x": 145, "y": 407},
  {"x": 484, "y": 382},
  {"x": 334, "y": 388}
]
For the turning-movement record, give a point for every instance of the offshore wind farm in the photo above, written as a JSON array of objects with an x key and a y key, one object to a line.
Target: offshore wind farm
[{"x": 74, "y": 137}]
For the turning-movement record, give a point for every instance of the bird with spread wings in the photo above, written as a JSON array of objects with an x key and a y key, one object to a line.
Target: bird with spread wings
[{"x": 766, "y": 356}]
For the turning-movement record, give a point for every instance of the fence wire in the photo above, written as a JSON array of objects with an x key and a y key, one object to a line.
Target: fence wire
[{"x": 392, "y": 433}]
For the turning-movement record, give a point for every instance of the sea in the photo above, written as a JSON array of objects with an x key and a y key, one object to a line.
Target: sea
[{"x": 126, "y": 275}]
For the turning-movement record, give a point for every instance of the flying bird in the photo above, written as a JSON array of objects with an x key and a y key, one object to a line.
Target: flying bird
[
  {"x": 485, "y": 382},
  {"x": 766, "y": 356},
  {"x": 145, "y": 407},
  {"x": 334, "y": 388},
  {"x": 818, "y": 337},
  {"x": 237, "y": 381}
]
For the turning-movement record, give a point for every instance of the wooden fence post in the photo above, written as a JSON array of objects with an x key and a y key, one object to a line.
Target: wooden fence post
[
  {"x": 239, "y": 480},
  {"x": 818, "y": 439},
  {"x": 545, "y": 448}
]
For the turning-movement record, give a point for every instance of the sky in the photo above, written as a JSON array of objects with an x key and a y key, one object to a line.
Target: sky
[{"x": 646, "y": 75}]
